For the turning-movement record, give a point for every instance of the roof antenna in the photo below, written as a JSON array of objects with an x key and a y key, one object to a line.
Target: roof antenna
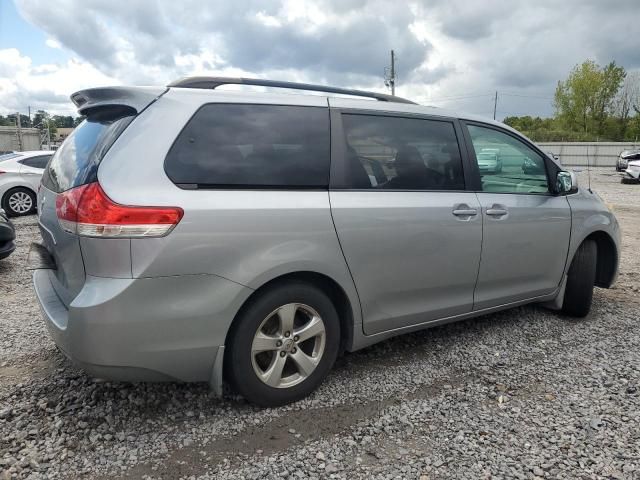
[{"x": 589, "y": 169}]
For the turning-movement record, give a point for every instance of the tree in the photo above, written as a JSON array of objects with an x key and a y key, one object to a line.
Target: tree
[
  {"x": 586, "y": 98},
  {"x": 10, "y": 120},
  {"x": 63, "y": 121},
  {"x": 627, "y": 102},
  {"x": 612, "y": 79},
  {"x": 43, "y": 121}
]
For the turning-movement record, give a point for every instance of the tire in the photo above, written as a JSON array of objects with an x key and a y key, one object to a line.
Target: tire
[
  {"x": 262, "y": 314},
  {"x": 19, "y": 201},
  {"x": 580, "y": 280}
]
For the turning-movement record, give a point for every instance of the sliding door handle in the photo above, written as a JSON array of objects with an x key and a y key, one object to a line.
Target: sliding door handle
[{"x": 497, "y": 212}]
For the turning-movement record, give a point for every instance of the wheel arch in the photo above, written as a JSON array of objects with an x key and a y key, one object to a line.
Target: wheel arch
[
  {"x": 329, "y": 286},
  {"x": 607, "y": 262}
]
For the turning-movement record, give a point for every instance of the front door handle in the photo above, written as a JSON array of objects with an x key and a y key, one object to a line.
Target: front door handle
[
  {"x": 497, "y": 211},
  {"x": 464, "y": 210}
]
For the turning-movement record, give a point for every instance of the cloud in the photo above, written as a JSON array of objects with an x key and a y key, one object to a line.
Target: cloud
[
  {"x": 141, "y": 40},
  {"x": 44, "y": 87},
  {"x": 445, "y": 48},
  {"x": 53, "y": 43}
]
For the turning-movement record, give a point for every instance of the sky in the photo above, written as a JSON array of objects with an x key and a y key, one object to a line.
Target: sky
[{"x": 450, "y": 53}]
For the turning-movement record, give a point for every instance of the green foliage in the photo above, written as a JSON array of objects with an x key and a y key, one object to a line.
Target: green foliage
[
  {"x": 61, "y": 121},
  {"x": 593, "y": 103},
  {"x": 10, "y": 121},
  {"x": 585, "y": 99}
]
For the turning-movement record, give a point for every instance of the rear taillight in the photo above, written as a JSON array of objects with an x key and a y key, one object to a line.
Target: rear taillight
[
  {"x": 2, "y": 171},
  {"x": 87, "y": 211}
]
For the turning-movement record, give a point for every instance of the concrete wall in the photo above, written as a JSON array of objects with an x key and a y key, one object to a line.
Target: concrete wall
[
  {"x": 600, "y": 154},
  {"x": 9, "y": 140}
]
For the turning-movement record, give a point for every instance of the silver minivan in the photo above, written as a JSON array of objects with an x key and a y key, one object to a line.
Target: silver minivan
[{"x": 208, "y": 235}]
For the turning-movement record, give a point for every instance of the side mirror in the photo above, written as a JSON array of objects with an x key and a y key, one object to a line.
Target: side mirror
[{"x": 566, "y": 183}]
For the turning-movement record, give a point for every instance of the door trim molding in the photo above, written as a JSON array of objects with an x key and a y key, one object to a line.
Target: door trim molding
[{"x": 362, "y": 341}]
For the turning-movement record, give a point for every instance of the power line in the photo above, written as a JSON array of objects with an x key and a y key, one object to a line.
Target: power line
[
  {"x": 520, "y": 113},
  {"x": 525, "y": 96},
  {"x": 465, "y": 96},
  {"x": 459, "y": 97}
]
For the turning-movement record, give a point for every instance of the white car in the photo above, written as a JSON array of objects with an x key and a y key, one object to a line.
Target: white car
[
  {"x": 20, "y": 174},
  {"x": 632, "y": 172},
  {"x": 625, "y": 157},
  {"x": 489, "y": 161}
]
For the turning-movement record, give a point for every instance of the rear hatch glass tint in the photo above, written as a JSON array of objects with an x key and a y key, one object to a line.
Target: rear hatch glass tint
[{"x": 76, "y": 162}]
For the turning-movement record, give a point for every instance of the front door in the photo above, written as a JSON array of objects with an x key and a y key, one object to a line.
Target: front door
[
  {"x": 410, "y": 233},
  {"x": 526, "y": 228}
]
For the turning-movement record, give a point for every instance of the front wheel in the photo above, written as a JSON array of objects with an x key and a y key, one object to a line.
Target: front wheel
[
  {"x": 283, "y": 344},
  {"x": 581, "y": 278}
]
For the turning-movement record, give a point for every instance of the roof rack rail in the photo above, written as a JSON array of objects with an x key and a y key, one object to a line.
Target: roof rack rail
[{"x": 213, "y": 82}]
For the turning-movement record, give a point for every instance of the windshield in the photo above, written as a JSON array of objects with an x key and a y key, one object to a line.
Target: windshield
[{"x": 630, "y": 153}]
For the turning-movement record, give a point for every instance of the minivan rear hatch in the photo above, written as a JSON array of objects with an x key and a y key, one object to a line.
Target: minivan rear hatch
[{"x": 109, "y": 112}]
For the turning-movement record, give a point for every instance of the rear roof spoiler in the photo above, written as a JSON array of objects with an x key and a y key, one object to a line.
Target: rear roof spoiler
[{"x": 135, "y": 98}]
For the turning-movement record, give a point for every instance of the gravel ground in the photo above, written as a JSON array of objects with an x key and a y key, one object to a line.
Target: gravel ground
[{"x": 524, "y": 393}]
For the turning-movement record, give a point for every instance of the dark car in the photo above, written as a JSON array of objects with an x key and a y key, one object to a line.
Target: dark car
[{"x": 7, "y": 236}]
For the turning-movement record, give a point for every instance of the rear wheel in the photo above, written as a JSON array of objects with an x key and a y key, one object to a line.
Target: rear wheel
[
  {"x": 283, "y": 344},
  {"x": 581, "y": 278},
  {"x": 19, "y": 201}
]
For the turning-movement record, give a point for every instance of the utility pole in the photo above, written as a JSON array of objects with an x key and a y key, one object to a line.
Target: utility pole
[
  {"x": 29, "y": 107},
  {"x": 390, "y": 74},
  {"x": 495, "y": 105},
  {"x": 19, "y": 131},
  {"x": 392, "y": 80}
]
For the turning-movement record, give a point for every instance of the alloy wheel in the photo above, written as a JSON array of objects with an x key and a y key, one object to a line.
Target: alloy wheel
[
  {"x": 288, "y": 345},
  {"x": 20, "y": 202}
]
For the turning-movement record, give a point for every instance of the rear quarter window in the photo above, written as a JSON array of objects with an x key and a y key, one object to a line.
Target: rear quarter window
[
  {"x": 36, "y": 162},
  {"x": 76, "y": 162},
  {"x": 252, "y": 146}
]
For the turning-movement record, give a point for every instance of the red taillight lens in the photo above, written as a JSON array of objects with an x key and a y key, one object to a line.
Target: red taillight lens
[{"x": 87, "y": 211}]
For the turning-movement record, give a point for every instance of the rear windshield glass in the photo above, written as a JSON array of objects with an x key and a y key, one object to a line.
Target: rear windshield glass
[
  {"x": 76, "y": 161},
  {"x": 253, "y": 146}
]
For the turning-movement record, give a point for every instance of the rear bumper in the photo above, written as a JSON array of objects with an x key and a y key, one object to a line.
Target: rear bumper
[{"x": 150, "y": 329}]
